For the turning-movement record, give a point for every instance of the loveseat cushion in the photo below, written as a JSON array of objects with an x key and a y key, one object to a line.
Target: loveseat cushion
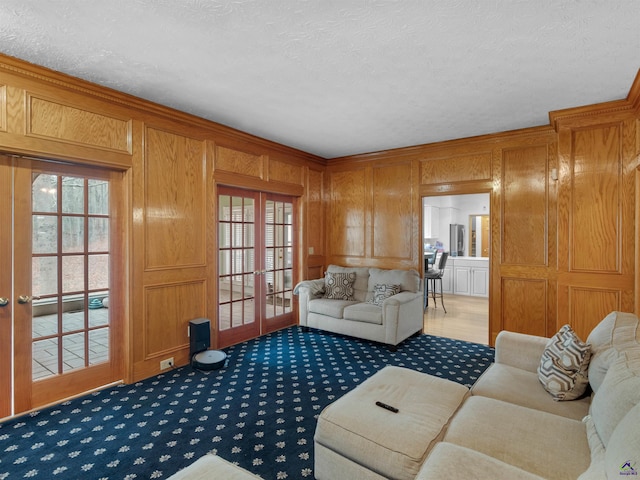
[
  {"x": 409, "y": 280},
  {"x": 619, "y": 392},
  {"x": 447, "y": 460},
  {"x": 331, "y": 308},
  {"x": 539, "y": 442},
  {"x": 522, "y": 387},
  {"x": 363, "y": 312},
  {"x": 617, "y": 332},
  {"x": 361, "y": 284}
]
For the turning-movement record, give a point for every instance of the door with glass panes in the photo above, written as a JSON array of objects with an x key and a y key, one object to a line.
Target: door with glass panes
[
  {"x": 256, "y": 262},
  {"x": 57, "y": 269}
]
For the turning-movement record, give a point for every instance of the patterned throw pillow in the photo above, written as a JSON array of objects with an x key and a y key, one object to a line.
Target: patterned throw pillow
[
  {"x": 382, "y": 292},
  {"x": 339, "y": 286},
  {"x": 563, "y": 367}
]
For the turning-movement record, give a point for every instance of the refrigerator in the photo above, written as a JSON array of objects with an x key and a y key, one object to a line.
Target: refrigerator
[{"x": 456, "y": 240}]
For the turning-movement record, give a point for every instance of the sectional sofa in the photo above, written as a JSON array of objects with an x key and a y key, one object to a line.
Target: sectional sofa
[{"x": 518, "y": 420}]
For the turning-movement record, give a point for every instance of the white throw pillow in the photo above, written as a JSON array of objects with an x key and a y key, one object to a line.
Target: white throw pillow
[{"x": 563, "y": 366}]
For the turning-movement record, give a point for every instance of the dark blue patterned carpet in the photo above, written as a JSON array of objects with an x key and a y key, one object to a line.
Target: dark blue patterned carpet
[{"x": 259, "y": 411}]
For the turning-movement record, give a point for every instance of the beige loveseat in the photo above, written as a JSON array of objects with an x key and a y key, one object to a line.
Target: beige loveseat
[
  {"x": 390, "y": 321},
  {"x": 507, "y": 426}
]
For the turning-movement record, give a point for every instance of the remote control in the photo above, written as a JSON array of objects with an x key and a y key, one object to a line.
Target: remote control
[{"x": 387, "y": 407}]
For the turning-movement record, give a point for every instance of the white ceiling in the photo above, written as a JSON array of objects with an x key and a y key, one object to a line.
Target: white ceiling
[{"x": 340, "y": 77}]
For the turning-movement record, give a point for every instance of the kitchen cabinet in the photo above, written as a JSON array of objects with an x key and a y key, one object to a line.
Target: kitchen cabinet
[
  {"x": 431, "y": 221},
  {"x": 471, "y": 276},
  {"x": 447, "y": 278}
]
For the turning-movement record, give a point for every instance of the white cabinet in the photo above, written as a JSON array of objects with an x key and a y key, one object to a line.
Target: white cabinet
[
  {"x": 431, "y": 222},
  {"x": 447, "y": 278},
  {"x": 471, "y": 277}
]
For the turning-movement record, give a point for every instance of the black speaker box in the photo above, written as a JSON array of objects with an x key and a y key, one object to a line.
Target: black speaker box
[{"x": 199, "y": 335}]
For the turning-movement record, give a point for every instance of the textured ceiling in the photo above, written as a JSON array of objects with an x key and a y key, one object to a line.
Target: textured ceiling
[{"x": 339, "y": 77}]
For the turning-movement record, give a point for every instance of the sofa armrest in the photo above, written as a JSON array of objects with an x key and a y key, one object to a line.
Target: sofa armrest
[
  {"x": 402, "y": 315},
  {"x": 520, "y": 350},
  {"x": 307, "y": 291}
]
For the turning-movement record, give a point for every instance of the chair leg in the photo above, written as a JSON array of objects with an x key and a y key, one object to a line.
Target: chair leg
[
  {"x": 442, "y": 296},
  {"x": 433, "y": 292}
]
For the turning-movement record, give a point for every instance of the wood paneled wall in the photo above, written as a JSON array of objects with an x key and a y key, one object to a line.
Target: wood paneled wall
[{"x": 171, "y": 164}]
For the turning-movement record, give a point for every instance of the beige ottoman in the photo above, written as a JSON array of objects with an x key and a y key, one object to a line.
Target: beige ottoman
[
  {"x": 212, "y": 466},
  {"x": 357, "y": 439}
]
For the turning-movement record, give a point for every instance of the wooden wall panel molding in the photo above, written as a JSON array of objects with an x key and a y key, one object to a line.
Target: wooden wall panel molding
[
  {"x": 524, "y": 205},
  {"x": 314, "y": 196},
  {"x": 285, "y": 172},
  {"x": 459, "y": 168},
  {"x": 175, "y": 200},
  {"x": 347, "y": 209},
  {"x": 239, "y": 162},
  {"x": 392, "y": 232},
  {"x": 67, "y": 123},
  {"x": 3, "y": 108},
  {"x": 524, "y": 305},
  {"x": 588, "y": 306}
]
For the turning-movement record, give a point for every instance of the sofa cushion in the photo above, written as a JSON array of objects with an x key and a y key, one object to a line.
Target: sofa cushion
[
  {"x": 360, "y": 286},
  {"x": 363, "y": 312},
  {"x": 622, "y": 458},
  {"x": 563, "y": 366},
  {"x": 619, "y": 392},
  {"x": 596, "y": 467},
  {"x": 383, "y": 291},
  {"x": 515, "y": 385},
  {"x": 447, "y": 460},
  {"x": 339, "y": 285},
  {"x": 409, "y": 280},
  {"x": 331, "y": 308},
  {"x": 211, "y": 466},
  {"x": 539, "y": 442},
  {"x": 618, "y": 331}
]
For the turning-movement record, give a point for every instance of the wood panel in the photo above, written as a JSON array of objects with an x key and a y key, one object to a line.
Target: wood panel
[
  {"x": 175, "y": 200},
  {"x": 524, "y": 206},
  {"x": 6, "y": 323},
  {"x": 524, "y": 305},
  {"x": 61, "y": 122},
  {"x": 169, "y": 308},
  {"x": 461, "y": 168},
  {"x": 242, "y": 163},
  {"x": 3, "y": 108},
  {"x": 392, "y": 215},
  {"x": 596, "y": 188},
  {"x": 347, "y": 213},
  {"x": 314, "y": 224},
  {"x": 589, "y": 306},
  {"x": 285, "y": 172}
]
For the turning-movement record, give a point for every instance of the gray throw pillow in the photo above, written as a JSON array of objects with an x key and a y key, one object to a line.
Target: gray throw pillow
[
  {"x": 382, "y": 291},
  {"x": 339, "y": 286}
]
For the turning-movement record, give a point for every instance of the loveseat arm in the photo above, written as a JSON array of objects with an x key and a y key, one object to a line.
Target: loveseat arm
[
  {"x": 307, "y": 290},
  {"x": 520, "y": 350},
  {"x": 402, "y": 316}
]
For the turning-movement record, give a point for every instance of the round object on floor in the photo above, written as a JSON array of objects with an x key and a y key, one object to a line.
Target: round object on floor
[{"x": 209, "y": 360}]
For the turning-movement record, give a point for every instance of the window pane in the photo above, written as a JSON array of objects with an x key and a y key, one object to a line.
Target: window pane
[
  {"x": 98, "y": 234},
  {"x": 72, "y": 234},
  {"x": 72, "y": 195},
  {"x": 224, "y": 235},
  {"x": 224, "y": 210},
  {"x": 72, "y": 273},
  {"x": 98, "y": 197},
  {"x": 72, "y": 313},
  {"x": 45, "y": 275},
  {"x": 73, "y": 352},
  {"x": 44, "y": 195},
  {"x": 45, "y": 318},
  {"x": 44, "y": 358},
  {"x": 45, "y": 234},
  {"x": 98, "y": 311},
  {"x": 224, "y": 262},
  {"x": 98, "y": 346},
  {"x": 98, "y": 271}
]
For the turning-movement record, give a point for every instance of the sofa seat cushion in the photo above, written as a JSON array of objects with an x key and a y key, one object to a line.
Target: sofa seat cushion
[
  {"x": 541, "y": 443},
  {"x": 514, "y": 385},
  {"x": 394, "y": 445},
  {"x": 331, "y": 308},
  {"x": 622, "y": 458},
  {"x": 211, "y": 466},
  {"x": 363, "y": 312},
  {"x": 447, "y": 460}
]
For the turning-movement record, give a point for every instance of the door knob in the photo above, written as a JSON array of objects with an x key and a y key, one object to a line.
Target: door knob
[
  {"x": 4, "y": 302},
  {"x": 22, "y": 299}
]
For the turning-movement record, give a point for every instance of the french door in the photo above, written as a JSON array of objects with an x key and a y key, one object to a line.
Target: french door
[
  {"x": 59, "y": 313},
  {"x": 256, "y": 262}
]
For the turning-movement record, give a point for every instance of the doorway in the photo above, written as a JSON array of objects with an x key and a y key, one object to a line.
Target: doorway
[
  {"x": 60, "y": 315},
  {"x": 466, "y": 277},
  {"x": 256, "y": 261}
]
